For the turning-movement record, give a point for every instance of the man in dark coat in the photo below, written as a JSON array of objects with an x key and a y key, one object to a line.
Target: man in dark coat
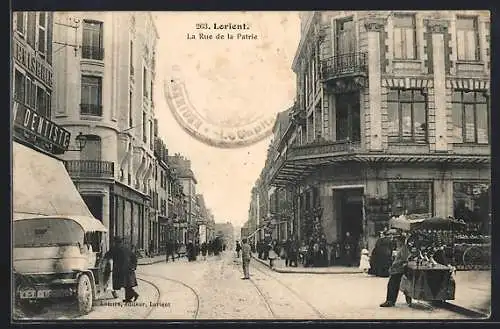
[
  {"x": 381, "y": 257},
  {"x": 396, "y": 271},
  {"x": 349, "y": 249},
  {"x": 170, "y": 250},
  {"x": 124, "y": 264}
]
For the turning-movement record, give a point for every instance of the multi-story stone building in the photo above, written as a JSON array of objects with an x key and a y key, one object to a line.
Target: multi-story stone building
[
  {"x": 41, "y": 186},
  {"x": 188, "y": 181},
  {"x": 203, "y": 218},
  {"x": 392, "y": 116},
  {"x": 104, "y": 69}
]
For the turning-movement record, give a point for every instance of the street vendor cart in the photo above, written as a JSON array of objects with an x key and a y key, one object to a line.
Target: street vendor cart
[
  {"x": 429, "y": 282},
  {"x": 428, "y": 275}
]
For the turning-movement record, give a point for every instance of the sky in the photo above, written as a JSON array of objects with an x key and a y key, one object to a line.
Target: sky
[{"x": 225, "y": 77}]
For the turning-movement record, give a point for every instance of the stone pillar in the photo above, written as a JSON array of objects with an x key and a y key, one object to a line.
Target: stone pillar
[
  {"x": 438, "y": 28},
  {"x": 374, "y": 26}
]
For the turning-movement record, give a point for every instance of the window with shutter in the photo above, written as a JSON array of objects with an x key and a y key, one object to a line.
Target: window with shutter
[
  {"x": 467, "y": 39},
  {"x": 31, "y": 29}
]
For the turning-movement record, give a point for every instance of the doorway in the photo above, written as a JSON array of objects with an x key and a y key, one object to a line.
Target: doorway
[
  {"x": 349, "y": 214},
  {"x": 95, "y": 204}
]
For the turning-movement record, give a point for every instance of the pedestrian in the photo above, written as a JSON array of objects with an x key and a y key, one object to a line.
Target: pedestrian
[
  {"x": 348, "y": 249},
  {"x": 364, "y": 262},
  {"x": 396, "y": 273},
  {"x": 204, "y": 250},
  {"x": 190, "y": 251},
  {"x": 293, "y": 253},
  {"x": 130, "y": 278},
  {"x": 287, "y": 247},
  {"x": 123, "y": 265},
  {"x": 238, "y": 249},
  {"x": 271, "y": 256},
  {"x": 245, "y": 259},
  {"x": 106, "y": 266}
]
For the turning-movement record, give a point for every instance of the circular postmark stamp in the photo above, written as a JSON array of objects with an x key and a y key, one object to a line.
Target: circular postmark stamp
[{"x": 233, "y": 130}]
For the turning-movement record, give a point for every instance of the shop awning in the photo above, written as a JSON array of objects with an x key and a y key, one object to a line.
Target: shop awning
[{"x": 43, "y": 187}]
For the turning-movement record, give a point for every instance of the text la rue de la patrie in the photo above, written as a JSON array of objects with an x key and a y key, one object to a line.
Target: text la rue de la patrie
[{"x": 215, "y": 31}]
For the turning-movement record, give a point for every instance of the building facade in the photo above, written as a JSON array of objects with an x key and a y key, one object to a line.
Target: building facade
[
  {"x": 33, "y": 82},
  {"x": 226, "y": 232},
  {"x": 108, "y": 98},
  {"x": 188, "y": 182},
  {"x": 41, "y": 186},
  {"x": 391, "y": 116}
]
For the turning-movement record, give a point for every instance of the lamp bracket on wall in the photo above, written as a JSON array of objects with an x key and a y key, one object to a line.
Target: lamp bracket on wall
[{"x": 74, "y": 23}]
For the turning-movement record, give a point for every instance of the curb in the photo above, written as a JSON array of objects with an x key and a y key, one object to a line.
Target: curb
[
  {"x": 304, "y": 271},
  {"x": 151, "y": 262}
]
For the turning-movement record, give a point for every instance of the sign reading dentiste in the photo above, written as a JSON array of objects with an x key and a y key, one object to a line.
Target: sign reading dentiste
[{"x": 40, "y": 130}]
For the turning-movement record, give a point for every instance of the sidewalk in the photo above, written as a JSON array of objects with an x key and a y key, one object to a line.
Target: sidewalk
[
  {"x": 156, "y": 259},
  {"x": 473, "y": 291},
  {"x": 279, "y": 266}
]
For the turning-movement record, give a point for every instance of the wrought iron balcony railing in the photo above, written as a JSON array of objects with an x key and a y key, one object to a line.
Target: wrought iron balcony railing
[
  {"x": 91, "y": 109},
  {"x": 93, "y": 52},
  {"x": 345, "y": 64},
  {"x": 323, "y": 148},
  {"x": 90, "y": 168}
]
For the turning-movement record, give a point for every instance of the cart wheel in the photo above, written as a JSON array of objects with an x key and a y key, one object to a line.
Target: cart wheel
[
  {"x": 408, "y": 300},
  {"x": 84, "y": 294}
]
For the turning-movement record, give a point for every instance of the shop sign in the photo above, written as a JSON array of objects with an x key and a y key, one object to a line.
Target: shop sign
[
  {"x": 35, "y": 128},
  {"x": 38, "y": 67}
]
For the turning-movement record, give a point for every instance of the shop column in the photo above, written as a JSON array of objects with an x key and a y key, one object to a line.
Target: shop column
[
  {"x": 374, "y": 26},
  {"x": 438, "y": 28}
]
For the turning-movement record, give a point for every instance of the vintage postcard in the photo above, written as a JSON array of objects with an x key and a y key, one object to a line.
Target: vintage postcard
[{"x": 329, "y": 165}]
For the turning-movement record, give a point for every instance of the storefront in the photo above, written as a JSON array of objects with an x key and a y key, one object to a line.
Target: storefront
[
  {"x": 129, "y": 217},
  {"x": 360, "y": 198}
]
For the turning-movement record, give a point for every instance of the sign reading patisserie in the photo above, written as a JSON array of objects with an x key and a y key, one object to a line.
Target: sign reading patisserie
[
  {"x": 35, "y": 65},
  {"x": 36, "y": 129}
]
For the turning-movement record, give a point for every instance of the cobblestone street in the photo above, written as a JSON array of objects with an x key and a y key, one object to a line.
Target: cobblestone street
[{"x": 213, "y": 289}]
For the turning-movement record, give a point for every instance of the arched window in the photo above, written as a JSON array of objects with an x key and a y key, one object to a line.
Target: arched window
[{"x": 92, "y": 149}]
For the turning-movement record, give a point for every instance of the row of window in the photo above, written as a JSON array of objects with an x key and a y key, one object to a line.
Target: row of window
[
  {"x": 408, "y": 114},
  {"x": 416, "y": 197},
  {"x": 467, "y": 37},
  {"x": 30, "y": 93},
  {"x": 407, "y": 117}
]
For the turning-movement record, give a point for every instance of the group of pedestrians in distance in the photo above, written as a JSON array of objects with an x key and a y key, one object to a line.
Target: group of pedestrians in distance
[{"x": 194, "y": 249}]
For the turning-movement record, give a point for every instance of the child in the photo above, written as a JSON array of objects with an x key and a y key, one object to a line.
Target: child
[{"x": 364, "y": 263}]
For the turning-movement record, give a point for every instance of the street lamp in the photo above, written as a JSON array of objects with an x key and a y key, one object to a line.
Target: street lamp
[{"x": 81, "y": 140}]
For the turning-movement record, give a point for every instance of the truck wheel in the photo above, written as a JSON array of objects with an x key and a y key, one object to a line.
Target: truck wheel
[{"x": 84, "y": 294}]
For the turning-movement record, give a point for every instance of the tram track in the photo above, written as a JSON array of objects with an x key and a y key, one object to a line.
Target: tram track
[
  {"x": 157, "y": 298},
  {"x": 312, "y": 307},
  {"x": 195, "y": 293}
]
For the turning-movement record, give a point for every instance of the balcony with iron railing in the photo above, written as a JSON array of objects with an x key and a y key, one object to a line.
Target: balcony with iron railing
[
  {"x": 323, "y": 149},
  {"x": 301, "y": 159},
  {"x": 93, "y": 52},
  {"x": 345, "y": 65},
  {"x": 90, "y": 169}
]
